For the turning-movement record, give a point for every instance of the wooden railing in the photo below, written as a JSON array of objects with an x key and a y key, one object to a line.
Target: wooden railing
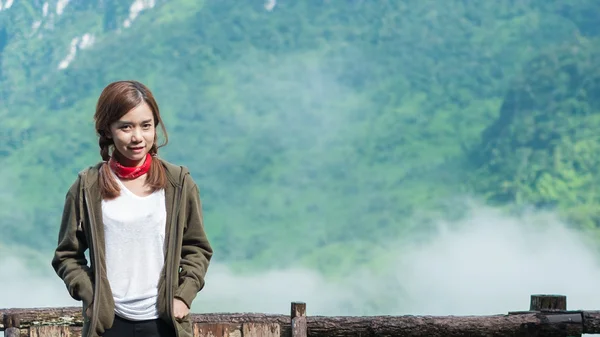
[{"x": 547, "y": 316}]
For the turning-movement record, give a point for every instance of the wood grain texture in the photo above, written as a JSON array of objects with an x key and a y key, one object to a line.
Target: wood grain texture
[
  {"x": 261, "y": 330},
  {"x": 548, "y": 302},
  {"x": 49, "y": 331}
]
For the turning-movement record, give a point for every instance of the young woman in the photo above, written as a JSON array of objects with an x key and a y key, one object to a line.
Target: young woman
[{"x": 140, "y": 217}]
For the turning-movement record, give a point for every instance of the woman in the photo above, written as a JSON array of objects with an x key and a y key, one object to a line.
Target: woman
[{"x": 141, "y": 219}]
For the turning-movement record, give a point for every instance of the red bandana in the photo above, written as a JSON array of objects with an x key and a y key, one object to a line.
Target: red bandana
[{"x": 128, "y": 172}]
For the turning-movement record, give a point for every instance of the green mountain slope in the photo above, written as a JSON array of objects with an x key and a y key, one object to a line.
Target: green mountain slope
[
  {"x": 541, "y": 149},
  {"x": 316, "y": 130}
]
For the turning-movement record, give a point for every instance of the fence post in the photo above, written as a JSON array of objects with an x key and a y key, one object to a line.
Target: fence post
[
  {"x": 299, "y": 328},
  {"x": 548, "y": 303},
  {"x": 11, "y": 325}
]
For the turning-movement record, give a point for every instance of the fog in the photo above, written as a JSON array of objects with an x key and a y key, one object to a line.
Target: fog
[{"x": 488, "y": 263}]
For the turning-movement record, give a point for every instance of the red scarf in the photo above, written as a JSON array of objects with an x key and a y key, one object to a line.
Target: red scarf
[{"x": 129, "y": 172}]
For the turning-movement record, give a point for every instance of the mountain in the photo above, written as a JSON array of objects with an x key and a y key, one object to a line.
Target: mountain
[{"x": 316, "y": 130}]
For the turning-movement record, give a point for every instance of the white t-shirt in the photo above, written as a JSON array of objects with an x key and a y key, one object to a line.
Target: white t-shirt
[{"x": 134, "y": 229}]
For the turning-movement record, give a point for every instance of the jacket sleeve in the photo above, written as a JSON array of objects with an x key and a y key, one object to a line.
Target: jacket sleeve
[
  {"x": 69, "y": 261},
  {"x": 196, "y": 251}
]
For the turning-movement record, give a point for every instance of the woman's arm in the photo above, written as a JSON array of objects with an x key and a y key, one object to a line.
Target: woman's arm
[
  {"x": 196, "y": 250},
  {"x": 69, "y": 261}
]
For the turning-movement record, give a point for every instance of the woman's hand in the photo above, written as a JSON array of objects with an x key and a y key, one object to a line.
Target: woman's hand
[{"x": 180, "y": 309}]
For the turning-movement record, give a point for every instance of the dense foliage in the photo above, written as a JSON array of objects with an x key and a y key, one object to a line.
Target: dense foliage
[{"x": 319, "y": 129}]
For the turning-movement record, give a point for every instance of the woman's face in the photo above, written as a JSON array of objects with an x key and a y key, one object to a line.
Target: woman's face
[{"x": 133, "y": 135}]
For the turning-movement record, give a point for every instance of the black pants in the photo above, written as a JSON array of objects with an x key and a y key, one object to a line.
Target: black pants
[{"x": 152, "y": 328}]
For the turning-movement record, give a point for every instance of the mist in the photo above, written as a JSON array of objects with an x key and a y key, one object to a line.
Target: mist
[{"x": 486, "y": 263}]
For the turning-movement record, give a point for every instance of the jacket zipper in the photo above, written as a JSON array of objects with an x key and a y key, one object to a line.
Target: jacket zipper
[
  {"x": 95, "y": 258},
  {"x": 169, "y": 276}
]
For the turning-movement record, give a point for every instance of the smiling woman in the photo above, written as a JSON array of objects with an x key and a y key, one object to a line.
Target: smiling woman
[
  {"x": 134, "y": 134},
  {"x": 126, "y": 119},
  {"x": 141, "y": 218}
]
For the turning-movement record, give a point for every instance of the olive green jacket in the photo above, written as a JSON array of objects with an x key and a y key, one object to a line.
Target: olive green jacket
[{"x": 187, "y": 253}]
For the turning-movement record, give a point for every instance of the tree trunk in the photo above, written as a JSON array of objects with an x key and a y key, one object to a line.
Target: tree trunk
[{"x": 526, "y": 325}]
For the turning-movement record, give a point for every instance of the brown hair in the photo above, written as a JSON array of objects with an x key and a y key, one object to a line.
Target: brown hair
[{"x": 114, "y": 102}]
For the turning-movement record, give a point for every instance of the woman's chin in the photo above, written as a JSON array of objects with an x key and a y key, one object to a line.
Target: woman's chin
[{"x": 131, "y": 157}]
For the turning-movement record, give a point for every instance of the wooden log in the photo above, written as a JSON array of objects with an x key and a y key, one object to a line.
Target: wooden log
[
  {"x": 210, "y": 324},
  {"x": 591, "y": 322},
  {"x": 11, "y": 320},
  {"x": 49, "y": 331},
  {"x": 549, "y": 324},
  {"x": 261, "y": 330},
  {"x": 524, "y": 324},
  {"x": 12, "y": 324},
  {"x": 49, "y": 316},
  {"x": 548, "y": 303},
  {"x": 216, "y": 330},
  {"x": 236, "y": 318},
  {"x": 521, "y": 325},
  {"x": 12, "y": 332},
  {"x": 298, "y": 315},
  {"x": 75, "y": 331}
]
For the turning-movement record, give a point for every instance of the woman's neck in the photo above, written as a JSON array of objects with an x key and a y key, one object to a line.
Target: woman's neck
[{"x": 130, "y": 172}]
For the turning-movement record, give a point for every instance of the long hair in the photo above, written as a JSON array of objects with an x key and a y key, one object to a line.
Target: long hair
[{"x": 114, "y": 102}]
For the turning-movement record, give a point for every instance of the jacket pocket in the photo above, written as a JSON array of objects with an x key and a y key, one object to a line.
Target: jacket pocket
[
  {"x": 184, "y": 327},
  {"x": 105, "y": 307},
  {"x": 82, "y": 288}
]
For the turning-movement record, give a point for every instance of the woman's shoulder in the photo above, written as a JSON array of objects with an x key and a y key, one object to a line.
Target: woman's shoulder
[
  {"x": 178, "y": 174},
  {"x": 172, "y": 168},
  {"x": 90, "y": 172},
  {"x": 84, "y": 177}
]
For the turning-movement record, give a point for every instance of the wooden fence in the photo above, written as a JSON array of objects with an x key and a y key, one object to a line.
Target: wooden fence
[{"x": 547, "y": 316}]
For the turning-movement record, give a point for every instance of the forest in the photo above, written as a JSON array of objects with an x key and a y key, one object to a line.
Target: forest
[{"x": 317, "y": 131}]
